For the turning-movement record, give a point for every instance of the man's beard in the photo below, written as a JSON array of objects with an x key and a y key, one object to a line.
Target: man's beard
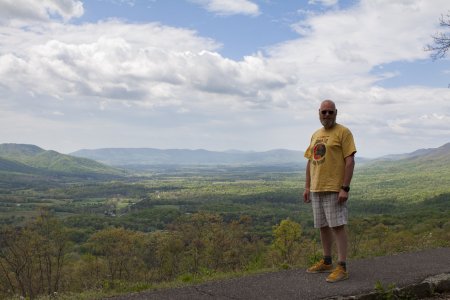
[{"x": 328, "y": 123}]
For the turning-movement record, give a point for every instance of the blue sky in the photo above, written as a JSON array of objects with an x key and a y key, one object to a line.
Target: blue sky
[
  {"x": 221, "y": 74},
  {"x": 239, "y": 33}
]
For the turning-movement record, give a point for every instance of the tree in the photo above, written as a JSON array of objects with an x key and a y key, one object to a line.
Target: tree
[
  {"x": 51, "y": 248},
  {"x": 286, "y": 237},
  {"x": 87, "y": 272},
  {"x": 32, "y": 258},
  {"x": 17, "y": 262},
  {"x": 121, "y": 250},
  {"x": 163, "y": 254},
  {"x": 441, "y": 40},
  {"x": 194, "y": 230},
  {"x": 211, "y": 244}
]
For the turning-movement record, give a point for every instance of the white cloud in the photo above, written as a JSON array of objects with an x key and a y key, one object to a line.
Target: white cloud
[
  {"x": 356, "y": 40},
  {"x": 114, "y": 62},
  {"x": 230, "y": 7},
  {"x": 164, "y": 85},
  {"x": 22, "y": 11}
]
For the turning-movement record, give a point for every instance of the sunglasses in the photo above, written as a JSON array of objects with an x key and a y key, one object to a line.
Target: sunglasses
[{"x": 324, "y": 112}]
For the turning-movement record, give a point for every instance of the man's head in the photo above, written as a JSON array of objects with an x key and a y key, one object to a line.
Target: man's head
[{"x": 327, "y": 114}]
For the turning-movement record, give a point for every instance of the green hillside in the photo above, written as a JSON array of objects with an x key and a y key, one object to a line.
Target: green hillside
[
  {"x": 7, "y": 165},
  {"x": 421, "y": 175},
  {"x": 32, "y": 159},
  {"x": 17, "y": 151}
]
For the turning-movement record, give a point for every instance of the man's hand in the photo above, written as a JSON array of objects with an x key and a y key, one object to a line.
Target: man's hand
[
  {"x": 343, "y": 196},
  {"x": 306, "y": 198}
]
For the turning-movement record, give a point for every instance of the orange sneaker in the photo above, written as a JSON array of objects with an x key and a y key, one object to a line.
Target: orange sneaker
[
  {"x": 320, "y": 267},
  {"x": 338, "y": 274}
]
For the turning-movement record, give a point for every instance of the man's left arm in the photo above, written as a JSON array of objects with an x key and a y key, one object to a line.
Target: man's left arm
[{"x": 348, "y": 174}]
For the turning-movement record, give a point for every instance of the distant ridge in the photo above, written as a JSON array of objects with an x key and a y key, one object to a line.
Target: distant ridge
[
  {"x": 31, "y": 158},
  {"x": 23, "y": 158},
  {"x": 151, "y": 156},
  {"x": 15, "y": 150},
  {"x": 442, "y": 152}
]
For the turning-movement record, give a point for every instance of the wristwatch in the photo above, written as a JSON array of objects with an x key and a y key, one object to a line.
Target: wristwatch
[{"x": 345, "y": 188}]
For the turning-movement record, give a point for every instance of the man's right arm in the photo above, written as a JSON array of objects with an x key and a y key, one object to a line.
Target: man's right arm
[{"x": 306, "y": 198}]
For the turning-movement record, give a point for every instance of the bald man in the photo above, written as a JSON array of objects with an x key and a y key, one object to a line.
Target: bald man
[{"x": 329, "y": 172}]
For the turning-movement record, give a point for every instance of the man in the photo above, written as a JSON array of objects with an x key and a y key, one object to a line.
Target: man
[{"x": 328, "y": 175}]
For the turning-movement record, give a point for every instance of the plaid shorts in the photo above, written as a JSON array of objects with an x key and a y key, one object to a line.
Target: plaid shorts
[{"x": 327, "y": 210}]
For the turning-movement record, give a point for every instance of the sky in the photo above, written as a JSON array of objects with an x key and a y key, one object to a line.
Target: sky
[{"x": 221, "y": 74}]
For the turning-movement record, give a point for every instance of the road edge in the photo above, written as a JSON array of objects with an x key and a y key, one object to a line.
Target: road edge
[{"x": 428, "y": 287}]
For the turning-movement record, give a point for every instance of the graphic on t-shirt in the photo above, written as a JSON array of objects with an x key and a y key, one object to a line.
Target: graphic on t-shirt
[{"x": 319, "y": 151}]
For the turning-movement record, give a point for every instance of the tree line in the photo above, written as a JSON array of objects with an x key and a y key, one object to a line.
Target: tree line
[{"x": 43, "y": 257}]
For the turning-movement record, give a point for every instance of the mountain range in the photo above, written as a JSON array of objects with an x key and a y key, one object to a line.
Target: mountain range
[
  {"x": 428, "y": 152},
  {"x": 150, "y": 156},
  {"x": 428, "y": 157},
  {"x": 31, "y": 159}
]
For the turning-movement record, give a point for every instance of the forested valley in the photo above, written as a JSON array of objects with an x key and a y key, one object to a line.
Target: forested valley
[{"x": 78, "y": 236}]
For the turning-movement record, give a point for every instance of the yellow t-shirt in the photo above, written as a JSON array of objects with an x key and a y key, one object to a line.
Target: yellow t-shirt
[{"x": 327, "y": 153}]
